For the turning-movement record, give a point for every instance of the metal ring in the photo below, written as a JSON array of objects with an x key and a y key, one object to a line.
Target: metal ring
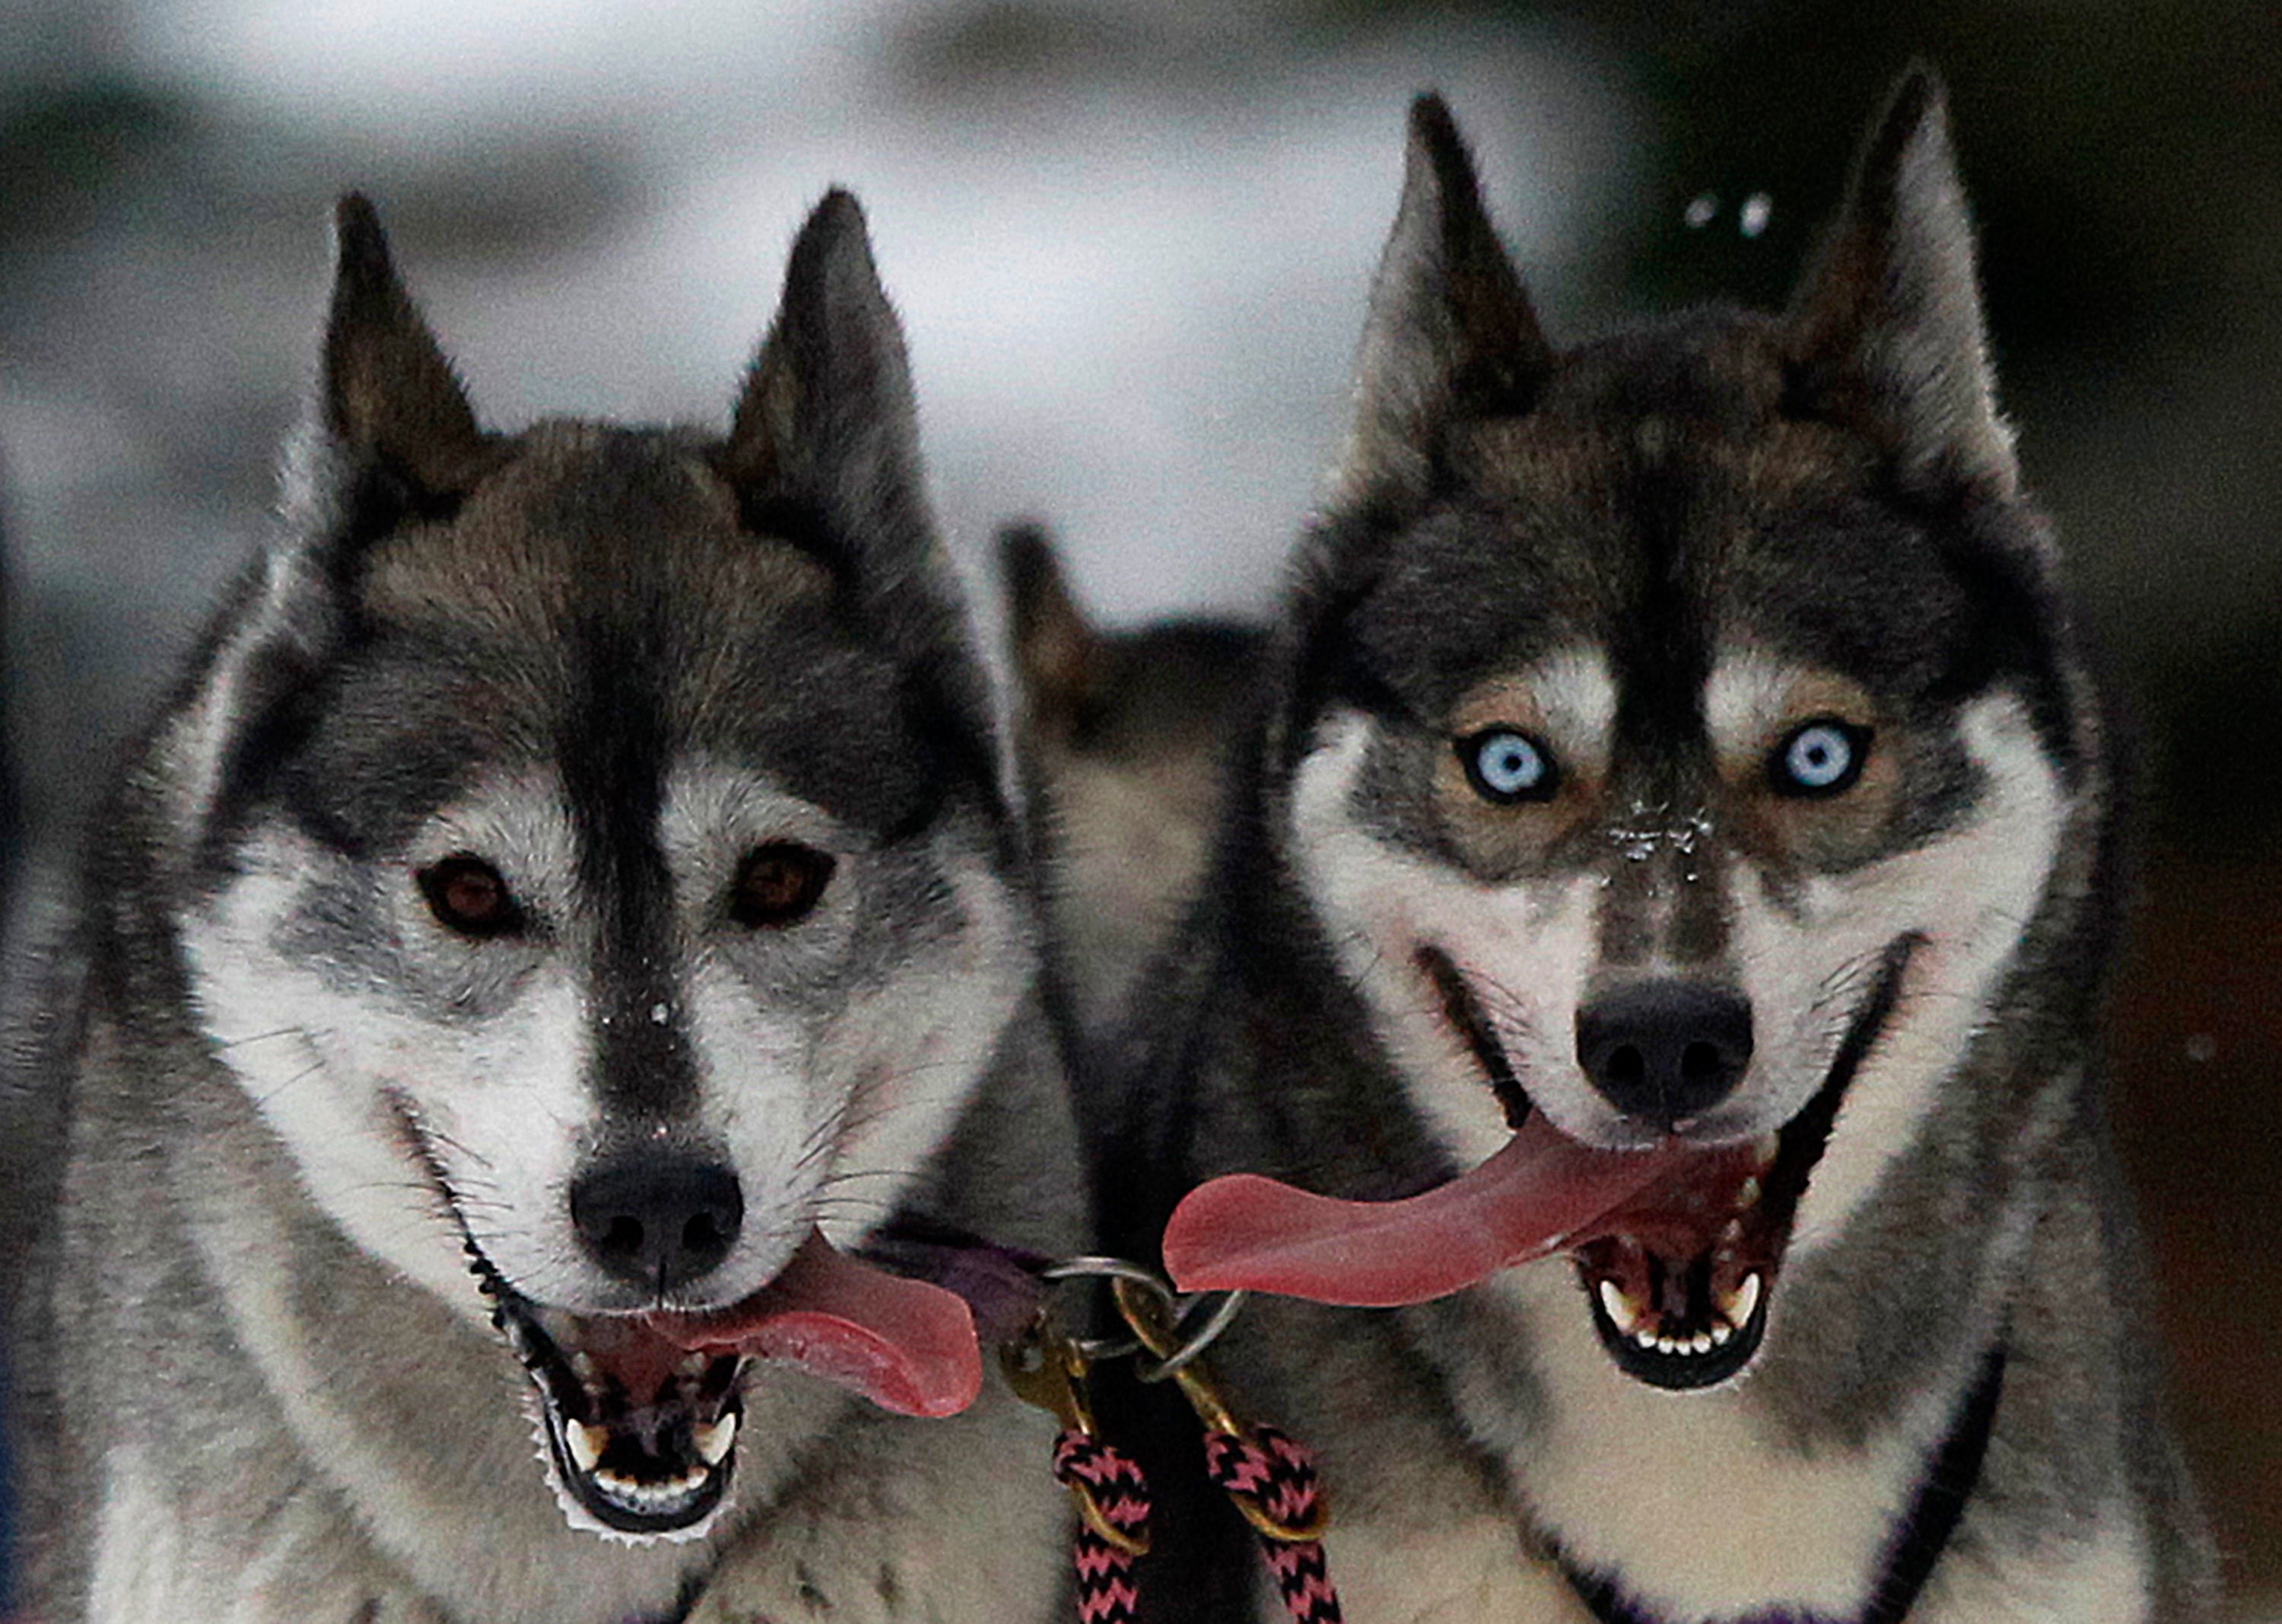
[
  {"x": 1100, "y": 1350},
  {"x": 1178, "y": 1309},
  {"x": 1222, "y": 1315},
  {"x": 1114, "y": 1269}
]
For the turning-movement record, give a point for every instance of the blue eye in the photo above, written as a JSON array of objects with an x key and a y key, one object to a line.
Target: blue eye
[
  {"x": 1819, "y": 757},
  {"x": 1505, "y": 766}
]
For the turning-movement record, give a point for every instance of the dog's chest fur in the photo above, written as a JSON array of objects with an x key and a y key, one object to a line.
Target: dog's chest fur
[{"x": 1693, "y": 1497}]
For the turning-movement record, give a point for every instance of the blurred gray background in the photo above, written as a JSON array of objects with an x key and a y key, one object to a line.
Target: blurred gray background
[{"x": 1130, "y": 243}]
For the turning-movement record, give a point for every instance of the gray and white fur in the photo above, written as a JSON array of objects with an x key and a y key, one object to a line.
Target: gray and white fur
[
  {"x": 1817, "y": 815},
  {"x": 593, "y": 804}
]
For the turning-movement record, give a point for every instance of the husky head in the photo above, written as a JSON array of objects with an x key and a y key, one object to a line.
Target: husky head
[
  {"x": 1682, "y": 742},
  {"x": 594, "y": 864}
]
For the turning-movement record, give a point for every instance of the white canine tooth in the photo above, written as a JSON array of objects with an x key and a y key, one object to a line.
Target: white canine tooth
[
  {"x": 1739, "y": 1304},
  {"x": 587, "y": 1442},
  {"x": 1618, "y": 1306},
  {"x": 714, "y": 1438}
]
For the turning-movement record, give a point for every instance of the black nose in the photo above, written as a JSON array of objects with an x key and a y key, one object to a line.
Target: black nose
[
  {"x": 1665, "y": 1051},
  {"x": 656, "y": 1221}
]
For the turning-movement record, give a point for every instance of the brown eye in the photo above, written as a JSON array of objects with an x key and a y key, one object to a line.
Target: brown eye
[
  {"x": 467, "y": 895},
  {"x": 778, "y": 883}
]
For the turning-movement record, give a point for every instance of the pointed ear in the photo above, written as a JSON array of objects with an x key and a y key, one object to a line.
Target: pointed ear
[
  {"x": 1057, "y": 652},
  {"x": 825, "y": 421},
  {"x": 390, "y": 435},
  {"x": 824, "y": 454},
  {"x": 1450, "y": 330},
  {"x": 386, "y": 396},
  {"x": 1885, "y": 330}
]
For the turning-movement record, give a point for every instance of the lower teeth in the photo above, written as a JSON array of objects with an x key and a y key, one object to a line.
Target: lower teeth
[
  {"x": 649, "y": 1496},
  {"x": 1732, "y": 1311}
]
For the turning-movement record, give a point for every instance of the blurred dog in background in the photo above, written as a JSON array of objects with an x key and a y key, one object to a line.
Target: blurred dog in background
[{"x": 1125, "y": 739}]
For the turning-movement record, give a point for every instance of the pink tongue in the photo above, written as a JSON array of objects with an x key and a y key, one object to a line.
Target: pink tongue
[
  {"x": 906, "y": 1346},
  {"x": 1543, "y": 1190}
]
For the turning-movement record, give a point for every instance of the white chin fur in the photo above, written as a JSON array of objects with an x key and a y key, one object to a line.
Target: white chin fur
[{"x": 1679, "y": 1490}]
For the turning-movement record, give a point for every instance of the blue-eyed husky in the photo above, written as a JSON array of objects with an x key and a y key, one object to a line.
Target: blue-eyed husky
[
  {"x": 1687, "y": 810},
  {"x": 568, "y": 907}
]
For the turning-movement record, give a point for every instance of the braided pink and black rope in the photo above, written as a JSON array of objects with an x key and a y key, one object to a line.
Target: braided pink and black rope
[
  {"x": 1105, "y": 1594},
  {"x": 1268, "y": 1468}
]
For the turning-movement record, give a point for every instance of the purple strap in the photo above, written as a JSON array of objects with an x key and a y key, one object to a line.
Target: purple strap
[{"x": 1000, "y": 1283}]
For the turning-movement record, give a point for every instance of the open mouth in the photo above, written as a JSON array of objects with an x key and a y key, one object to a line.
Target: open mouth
[
  {"x": 640, "y": 1413},
  {"x": 1680, "y": 1277},
  {"x": 1677, "y": 1247},
  {"x": 641, "y": 1432},
  {"x": 1679, "y": 1290}
]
